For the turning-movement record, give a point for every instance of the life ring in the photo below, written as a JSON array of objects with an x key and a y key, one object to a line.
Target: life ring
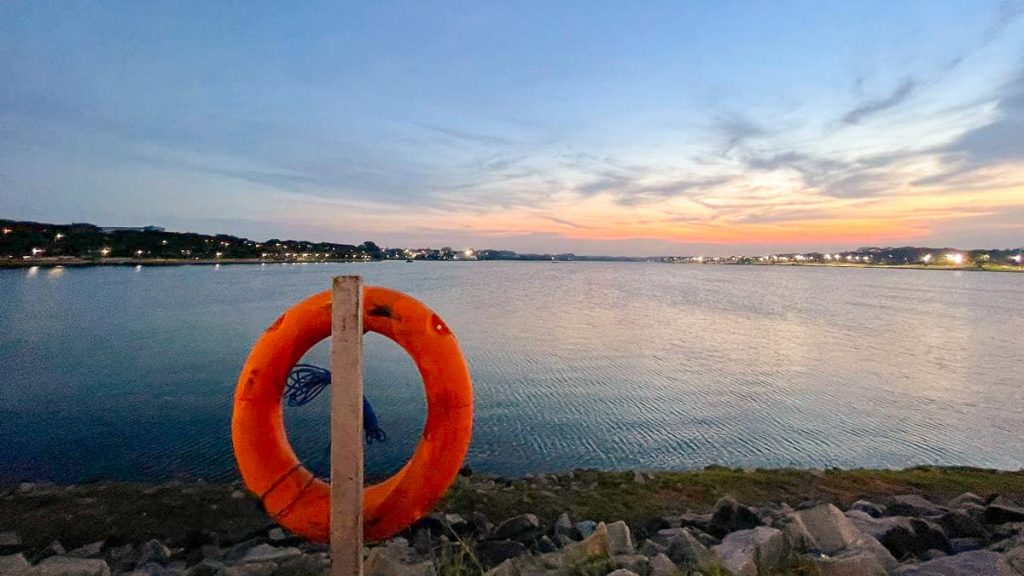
[{"x": 291, "y": 494}]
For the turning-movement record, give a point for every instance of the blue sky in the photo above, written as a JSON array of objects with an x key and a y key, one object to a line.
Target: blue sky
[{"x": 616, "y": 128}]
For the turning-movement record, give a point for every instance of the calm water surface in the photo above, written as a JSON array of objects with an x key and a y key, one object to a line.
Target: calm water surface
[{"x": 129, "y": 373}]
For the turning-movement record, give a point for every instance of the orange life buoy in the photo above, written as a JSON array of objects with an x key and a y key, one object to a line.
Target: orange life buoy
[{"x": 268, "y": 465}]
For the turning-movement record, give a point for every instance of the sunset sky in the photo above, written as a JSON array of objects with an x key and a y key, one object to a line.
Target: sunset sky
[{"x": 619, "y": 128}]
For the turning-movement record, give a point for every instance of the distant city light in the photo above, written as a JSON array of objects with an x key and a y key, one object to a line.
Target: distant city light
[
  {"x": 219, "y": 254},
  {"x": 957, "y": 259},
  {"x": 468, "y": 253},
  {"x": 37, "y": 251},
  {"x": 1018, "y": 258},
  {"x": 138, "y": 252},
  {"x": 927, "y": 258},
  {"x": 8, "y": 230},
  {"x": 104, "y": 251},
  {"x": 59, "y": 236}
]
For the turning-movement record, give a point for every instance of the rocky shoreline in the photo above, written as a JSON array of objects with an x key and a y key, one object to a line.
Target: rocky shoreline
[{"x": 915, "y": 522}]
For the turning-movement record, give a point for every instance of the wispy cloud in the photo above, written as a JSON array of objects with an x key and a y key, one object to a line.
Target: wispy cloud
[{"x": 872, "y": 107}]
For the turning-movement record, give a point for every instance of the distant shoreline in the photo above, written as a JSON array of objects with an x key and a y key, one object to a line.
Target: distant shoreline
[{"x": 83, "y": 262}]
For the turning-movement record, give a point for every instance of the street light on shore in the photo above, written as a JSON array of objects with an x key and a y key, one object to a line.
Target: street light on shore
[{"x": 957, "y": 259}]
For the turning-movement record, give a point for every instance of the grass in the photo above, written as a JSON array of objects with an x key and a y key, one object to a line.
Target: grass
[
  {"x": 610, "y": 496},
  {"x": 174, "y": 513}
]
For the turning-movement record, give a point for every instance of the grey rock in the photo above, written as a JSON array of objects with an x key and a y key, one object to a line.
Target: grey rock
[
  {"x": 869, "y": 508},
  {"x": 69, "y": 566},
  {"x": 651, "y": 548},
  {"x": 564, "y": 525},
  {"x": 13, "y": 565},
  {"x": 662, "y": 565},
  {"x": 639, "y": 478},
  {"x": 701, "y": 521},
  {"x": 121, "y": 557},
  {"x": 632, "y": 562},
  {"x": 52, "y": 549},
  {"x": 276, "y": 535},
  {"x": 1003, "y": 513},
  {"x": 913, "y": 505},
  {"x": 901, "y": 535},
  {"x": 386, "y": 561},
  {"x": 88, "y": 551},
  {"x": 933, "y": 554},
  {"x": 585, "y": 528},
  {"x": 966, "y": 498},
  {"x": 686, "y": 551},
  {"x": 9, "y": 540},
  {"x": 151, "y": 569},
  {"x": 962, "y": 524},
  {"x": 977, "y": 563},
  {"x": 619, "y": 540},
  {"x": 754, "y": 551},
  {"x": 154, "y": 551},
  {"x": 958, "y": 545},
  {"x": 268, "y": 553},
  {"x": 522, "y": 566},
  {"x": 252, "y": 569},
  {"x": 305, "y": 565},
  {"x": 849, "y": 562},
  {"x": 207, "y": 568},
  {"x": 422, "y": 542},
  {"x": 524, "y": 527},
  {"x": 730, "y": 516},
  {"x": 622, "y": 572},
  {"x": 825, "y": 530},
  {"x": 480, "y": 525},
  {"x": 494, "y": 552},
  {"x": 546, "y": 545},
  {"x": 607, "y": 540}
]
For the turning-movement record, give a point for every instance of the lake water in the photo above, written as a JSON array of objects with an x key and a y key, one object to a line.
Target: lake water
[{"x": 129, "y": 373}]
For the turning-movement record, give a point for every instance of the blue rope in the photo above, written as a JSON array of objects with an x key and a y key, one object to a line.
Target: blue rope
[{"x": 306, "y": 382}]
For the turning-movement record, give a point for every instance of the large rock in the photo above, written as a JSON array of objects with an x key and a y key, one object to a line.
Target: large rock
[
  {"x": 563, "y": 526},
  {"x": 662, "y": 565},
  {"x": 387, "y": 561},
  {"x": 901, "y": 535},
  {"x": 494, "y": 552},
  {"x": 977, "y": 563},
  {"x": 869, "y": 508},
  {"x": 827, "y": 533},
  {"x": 607, "y": 540},
  {"x": 962, "y": 524},
  {"x": 154, "y": 551},
  {"x": 730, "y": 516},
  {"x": 524, "y": 527},
  {"x": 268, "y": 553},
  {"x": 847, "y": 563},
  {"x": 9, "y": 541},
  {"x": 966, "y": 498},
  {"x": 13, "y": 565},
  {"x": 754, "y": 551},
  {"x": 69, "y": 566},
  {"x": 88, "y": 551},
  {"x": 913, "y": 505},
  {"x": 1003, "y": 513},
  {"x": 686, "y": 551}
]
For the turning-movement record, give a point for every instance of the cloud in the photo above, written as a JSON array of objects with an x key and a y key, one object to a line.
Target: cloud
[
  {"x": 871, "y": 107},
  {"x": 736, "y": 130}
]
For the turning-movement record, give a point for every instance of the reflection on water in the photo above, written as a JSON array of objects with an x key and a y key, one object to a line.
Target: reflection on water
[{"x": 115, "y": 373}]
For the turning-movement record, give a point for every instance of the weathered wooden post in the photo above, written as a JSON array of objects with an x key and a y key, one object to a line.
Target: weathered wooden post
[{"x": 347, "y": 426}]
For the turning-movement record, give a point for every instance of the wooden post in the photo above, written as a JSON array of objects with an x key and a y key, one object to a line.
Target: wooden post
[{"x": 347, "y": 427}]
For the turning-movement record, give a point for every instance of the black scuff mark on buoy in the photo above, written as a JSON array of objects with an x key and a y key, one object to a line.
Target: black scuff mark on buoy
[{"x": 381, "y": 311}]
